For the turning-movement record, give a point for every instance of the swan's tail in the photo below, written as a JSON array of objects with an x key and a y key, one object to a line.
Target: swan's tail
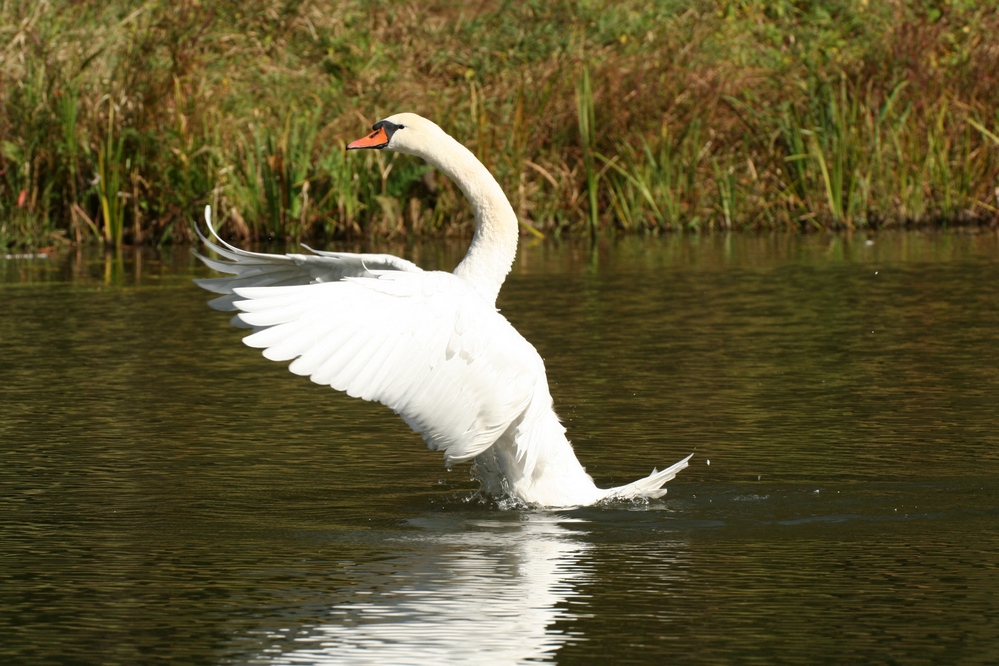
[{"x": 650, "y": 486}]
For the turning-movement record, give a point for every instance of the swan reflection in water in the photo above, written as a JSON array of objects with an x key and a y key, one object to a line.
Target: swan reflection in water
[{"x": 497, "y": 590}]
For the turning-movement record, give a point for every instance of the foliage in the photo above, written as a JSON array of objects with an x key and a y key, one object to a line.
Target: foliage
[{"x": 120, "y": 119}]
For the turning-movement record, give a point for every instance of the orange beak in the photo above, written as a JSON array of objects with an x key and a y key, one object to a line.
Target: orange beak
[{"x": 377, "y": 139}]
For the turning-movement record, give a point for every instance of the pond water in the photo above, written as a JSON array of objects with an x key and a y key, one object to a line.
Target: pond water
[{"x": 169, "y": 496}]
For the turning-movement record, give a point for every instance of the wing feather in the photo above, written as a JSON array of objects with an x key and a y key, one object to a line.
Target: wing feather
[
  {"x": 424, "y": 344},
  {"x": 256, "y": 269}
]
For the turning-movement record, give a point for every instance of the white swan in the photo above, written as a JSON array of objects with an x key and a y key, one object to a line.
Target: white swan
[{"x": 429, "y": 345}]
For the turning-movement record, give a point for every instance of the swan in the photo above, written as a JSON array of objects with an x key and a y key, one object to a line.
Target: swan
[{"x": 430, "y": 345}]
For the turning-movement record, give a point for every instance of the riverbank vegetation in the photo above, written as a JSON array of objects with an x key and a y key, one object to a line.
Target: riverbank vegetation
[{"x": 119, "y": 120}]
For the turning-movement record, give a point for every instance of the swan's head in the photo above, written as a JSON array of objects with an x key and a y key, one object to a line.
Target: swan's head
[{"x": 404, "y": 133}]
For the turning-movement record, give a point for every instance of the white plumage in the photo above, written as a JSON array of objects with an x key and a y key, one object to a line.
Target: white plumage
[{"x": 428, "y": 344}]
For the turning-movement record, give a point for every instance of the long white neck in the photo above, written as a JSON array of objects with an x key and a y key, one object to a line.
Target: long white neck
[{"x": 494, "y": 245}]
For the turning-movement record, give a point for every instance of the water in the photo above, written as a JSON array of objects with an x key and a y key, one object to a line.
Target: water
[{"x": 168, "y": 496}]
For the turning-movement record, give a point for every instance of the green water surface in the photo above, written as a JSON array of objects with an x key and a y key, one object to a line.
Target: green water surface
[{"x": 169, "y": 496}]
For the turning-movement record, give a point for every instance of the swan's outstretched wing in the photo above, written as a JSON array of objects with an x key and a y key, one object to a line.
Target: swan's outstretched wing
[
  {"x": 254, "y": 269},
  {"x": 425, "y": 344}
]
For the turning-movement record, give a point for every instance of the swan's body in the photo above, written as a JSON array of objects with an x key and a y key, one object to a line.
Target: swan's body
[{"x": 430, "y": 345}]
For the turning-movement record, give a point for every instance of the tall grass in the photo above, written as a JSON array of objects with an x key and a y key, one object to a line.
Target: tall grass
[
  {"x": 587, "y": 130},
  {"x": 118, "y": 120},
  {"x": 660, "y": 188},
  {"x": 110, "y": 165}
]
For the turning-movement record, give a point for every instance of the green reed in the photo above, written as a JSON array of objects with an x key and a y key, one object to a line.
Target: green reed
[
  {"x": 110, "y": 165},
  {"x": 660, "y": 188},
  {"x": 586, "y": 119}
]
